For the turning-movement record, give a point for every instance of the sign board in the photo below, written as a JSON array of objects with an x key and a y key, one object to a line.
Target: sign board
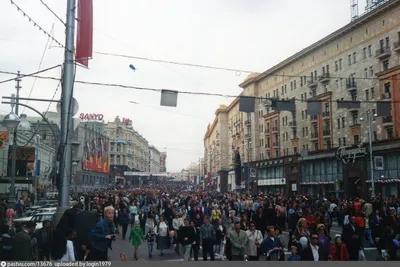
[
  {"x": 91, "y": 116},
  {"x": 253, "y": 173},
  {"x": 294, "y": 187},
  {"x": 378, "y": 162},
  {"x": 161, "y": 174},
  {"x": 347, "y": 154}
]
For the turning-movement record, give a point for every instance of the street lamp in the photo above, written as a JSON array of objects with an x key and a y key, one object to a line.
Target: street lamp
[
  {"x": 371, "y": 159},
  {"x": 11, "y": 121}
]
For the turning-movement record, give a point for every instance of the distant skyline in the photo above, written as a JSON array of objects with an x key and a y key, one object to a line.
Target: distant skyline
[{"x": 252, "y": 35}]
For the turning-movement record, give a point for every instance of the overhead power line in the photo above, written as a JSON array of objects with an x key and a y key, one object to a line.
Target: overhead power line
[
  {"x": 183, "y": 92},
  {"x": 52, "y": 12},
  {"x": 174, "y": 62},
  {"x": 36, "y": 25},
  {"x": 33, "y": 74}
]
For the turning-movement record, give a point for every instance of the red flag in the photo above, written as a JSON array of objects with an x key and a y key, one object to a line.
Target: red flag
[
  {"x": 84, "y": 36},
  {"x": 209, "y": 178}
]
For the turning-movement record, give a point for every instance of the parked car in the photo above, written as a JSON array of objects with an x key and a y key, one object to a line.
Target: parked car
[
  {"x": 31, "y": 209},
  {"x": 42, "y": 210},
  {"x": 37, "y": 218}
]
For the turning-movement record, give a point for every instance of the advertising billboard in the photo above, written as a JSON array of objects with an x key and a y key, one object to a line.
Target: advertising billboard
[
  {"x": 4, "y": 140},
  {"x": 24, "y": 161},
  {"x": 96, "y": 153}
]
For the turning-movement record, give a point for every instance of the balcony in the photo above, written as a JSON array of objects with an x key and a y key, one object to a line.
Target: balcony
[
  {"x": 314, "y": 135},
  {"x": 324, "y": 78},
  {"x": 247, "y": 136},
  {"x": 386, "y": 96},
  {"x": 327, "y": 132},
  {"x": 266, "y": 131},
  {"x": 293, "y": 124},
  {"x": 313, "y": 118},
  {"x": 351, "y": 84},
  {"x": 326, "y": 114},
  {"x": 396, "y": 46},
  {"x": 274, "y": 129},
  {"x": 383, "y": 52},
  {"x": 387, "y": 121},
  {"x": 267, "y": 146},
  {"x": 275, "y": 144},
  {"x": 312, "y": 83},
  {"x": 247, "y": 122}
]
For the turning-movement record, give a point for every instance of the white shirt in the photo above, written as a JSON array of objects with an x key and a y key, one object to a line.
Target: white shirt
[
  {"x": 315, "y": 252},
  {"x": 162, "y": 229},
  {"x": 69, "y": 255}
]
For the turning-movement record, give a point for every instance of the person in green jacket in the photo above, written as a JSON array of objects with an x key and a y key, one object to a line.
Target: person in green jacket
[{"x": 136, "y": 237}]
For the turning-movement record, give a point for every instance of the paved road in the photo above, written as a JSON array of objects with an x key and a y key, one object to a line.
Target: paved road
[{"x": 169, "y": 255}]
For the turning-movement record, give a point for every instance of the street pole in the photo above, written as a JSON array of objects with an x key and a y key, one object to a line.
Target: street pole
[
  {"x": 12, "y": 199},
  {"x": 66, "y": 112},
  {"x": 371, "y": 158},
  {"x": 36, "y": 169}
]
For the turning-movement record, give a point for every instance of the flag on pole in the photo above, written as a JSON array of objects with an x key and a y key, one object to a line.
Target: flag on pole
[{"x": 84, "y": 36}]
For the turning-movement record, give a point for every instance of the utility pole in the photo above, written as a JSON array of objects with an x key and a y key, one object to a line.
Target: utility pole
[
  {"x": 370, "y": 116},
  {"x": 67, "y": 112},
  {"x": 12, "y": 199}
]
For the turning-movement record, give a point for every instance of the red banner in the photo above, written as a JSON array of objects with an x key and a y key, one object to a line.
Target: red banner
[
  {"x": 84, "y": 36},
  {"x": 209, "y": 177}
]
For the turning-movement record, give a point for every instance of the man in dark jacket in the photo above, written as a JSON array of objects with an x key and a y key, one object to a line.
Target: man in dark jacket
[
  {"x": 124, "y": 221},
  {"x": 311, "y": 252},
  {"x": 351, "y": 239},
  {"x": 187, "y": 237},
  {"x": 43, "y": 238},
  {"x": 196, "y": 244},
  {"x": 292, "y": 223},
  {"x": 22, "y": 248}
]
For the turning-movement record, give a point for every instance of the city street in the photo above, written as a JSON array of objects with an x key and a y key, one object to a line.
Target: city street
[{"x": 169, "y": 255}]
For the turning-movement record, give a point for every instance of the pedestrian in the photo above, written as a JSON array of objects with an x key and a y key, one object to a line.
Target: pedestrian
[
  {"x": 293, "y": 256},
  {"x": 239, "y": 242},
  {"x": 136, "y": 237},
  {"x": 43, "y": 238},
  {"x": 150, "y": 238},
  {"x": 22, "y": 246},
  {"x": 207, "y": 238},
  {"x": 187, "y": 237},
  {"x": 103, "y": 234},
  {"x": 255, "y": 239},
  {"x": 124, "y": 222}
]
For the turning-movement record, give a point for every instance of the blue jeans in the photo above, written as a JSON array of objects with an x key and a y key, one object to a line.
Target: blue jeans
[
  {"x": 150, "y": 248},
  {"x": 369, "y": 235}
]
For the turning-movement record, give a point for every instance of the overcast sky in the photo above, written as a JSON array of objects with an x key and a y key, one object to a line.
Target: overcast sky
[{"x": 241, "y": 34}]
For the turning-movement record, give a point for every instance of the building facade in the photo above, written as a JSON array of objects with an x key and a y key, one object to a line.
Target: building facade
[
  {"x": 163, "y": 162},
  {"x": 154, "y": 159},
  {"x": 293, "y": 151},
  {"x": 34, "y": 166},
  {"x": 129, "y": 151},
  {"x": 90, "y": 157}
]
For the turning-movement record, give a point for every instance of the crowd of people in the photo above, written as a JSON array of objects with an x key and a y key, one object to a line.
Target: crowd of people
[{"x": 234, "y": 226}]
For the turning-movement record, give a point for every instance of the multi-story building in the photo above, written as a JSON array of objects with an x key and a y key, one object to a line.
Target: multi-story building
[
  {"x": 163, "y": 162},
  {"x": 129, "y": 151},
  {"x": 216, "y": 146},
  {"x": 293, "y": 151},
  {"x": 154, "y": 159},
  {"x": 35, "y": 162},
  {"x": 90, "y": 157}
]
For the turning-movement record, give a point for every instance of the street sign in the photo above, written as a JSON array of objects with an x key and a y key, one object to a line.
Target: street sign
[{"x": 253, "y": 173}]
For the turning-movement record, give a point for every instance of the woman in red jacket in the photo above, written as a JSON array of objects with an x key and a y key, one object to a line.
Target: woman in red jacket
[{"x": 339, "y": 251}]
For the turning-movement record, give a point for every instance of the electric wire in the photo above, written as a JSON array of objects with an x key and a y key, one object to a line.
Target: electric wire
[
  {"x": 173, "y": 62},
  {"x": 51, "y": 11},
  {"x": 37, "y": 25},
  {"x": 199, "y": 93},
  {"x": 33, "y": 74},
  {"x": 40, "y": 65}
]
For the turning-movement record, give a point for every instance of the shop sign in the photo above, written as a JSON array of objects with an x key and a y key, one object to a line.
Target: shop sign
[
  {"x": 346, "y": 154},
  {"x": 91, "y": 116}
]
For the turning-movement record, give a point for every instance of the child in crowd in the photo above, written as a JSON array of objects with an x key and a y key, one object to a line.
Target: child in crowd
[
  {"x": 293, "y": 256},
  {"x": 150, "y": 238},
  {"x": 136, "y": 238}
]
